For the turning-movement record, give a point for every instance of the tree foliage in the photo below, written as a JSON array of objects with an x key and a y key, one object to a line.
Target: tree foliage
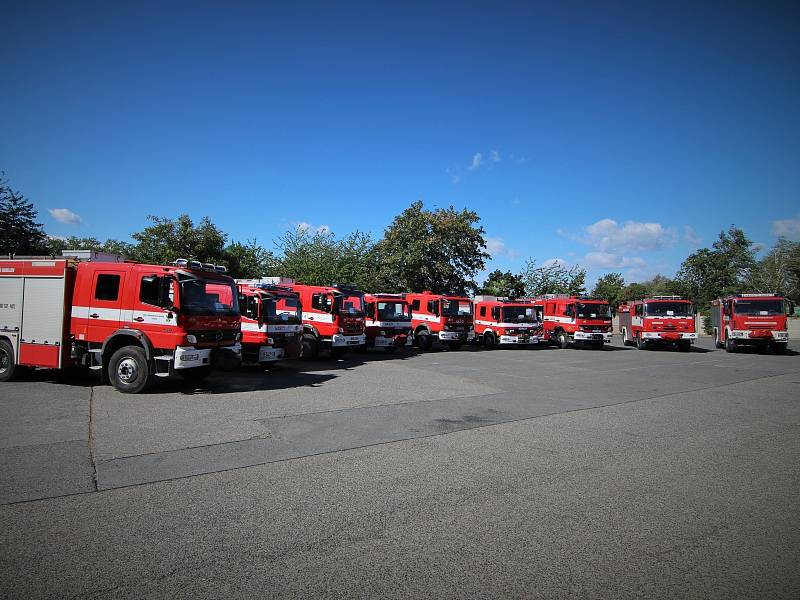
[
  {"x": 439, "y": 250},
  {"x": 553, "y": 278},
  {"x": 778, "y": 271},
  {"x": 503, "y": 283},
  {"x": 609, "y": 287},
  {"x": 168, "y": 239},
  {"x": 19, "y": 231},
  {"x": 724, "y": 268}
]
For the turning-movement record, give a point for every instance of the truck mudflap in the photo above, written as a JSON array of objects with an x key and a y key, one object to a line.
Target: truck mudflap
[{"x": 340, "y": 341}]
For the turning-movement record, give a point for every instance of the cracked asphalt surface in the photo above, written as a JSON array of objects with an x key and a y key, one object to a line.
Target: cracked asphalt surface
[{"x": 508, "y": 473}]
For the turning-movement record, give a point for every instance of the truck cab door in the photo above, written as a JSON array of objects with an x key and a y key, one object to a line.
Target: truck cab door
[{"x": 105, "y": 304}]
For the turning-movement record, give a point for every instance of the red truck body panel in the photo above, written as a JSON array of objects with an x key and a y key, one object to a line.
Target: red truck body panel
[
  {"x": 272, "y": 322},
  {"x": 500, "y": 321},
  {"x": 575, "y": 319},
  {"x": 658, "y": 320},
  {"x": 441, "y": 317},
  {"x": 752, "y": 319},
  {"x": 388, "y": 321}
]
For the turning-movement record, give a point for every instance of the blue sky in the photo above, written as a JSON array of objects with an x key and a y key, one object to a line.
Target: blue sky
[{"x": 619, "y": 135}]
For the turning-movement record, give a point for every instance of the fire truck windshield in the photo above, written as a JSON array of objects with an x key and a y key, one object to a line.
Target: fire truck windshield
[
  {"x": 668, "y": 309},
  {"x": 393, "y": 311},
  {"x": 758, "y": 308},
  {"x": 518, "y": 314},
  {"x": 457, "y": 308},
  {"x": 204, "y": 297},
  {"x": 593, "y": 311},
  {"x": 350, "y": 304},
  {"x": 282, "y": 310}
]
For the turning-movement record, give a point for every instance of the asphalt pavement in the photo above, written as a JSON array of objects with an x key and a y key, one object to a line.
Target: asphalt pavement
[{"x": 506, "y": 473}]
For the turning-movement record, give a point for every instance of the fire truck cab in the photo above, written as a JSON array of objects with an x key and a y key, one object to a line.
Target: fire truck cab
[
  {"x": 576, "y": 320},
  {"x": 333, "y": 318},
  {"x": 442, "y": 318},
  {"x": 502, "y": 321},
  {"x": 750, "y": 320},
  {"x": 658, "y": 321},
  {"x": 388, "y": 321},
  {"x": 272, "y": 321},
  {"x": 129, "y": 321}
]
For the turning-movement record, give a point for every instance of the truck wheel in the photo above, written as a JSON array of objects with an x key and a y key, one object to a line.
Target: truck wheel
[
  {"x": 424, "y": 341},
  {"x": 625, "y": 340},
  {"x": 562, "y": 339},
  {"x": 7, "y": 364},
  {"x": 684, "y": 346},
  {"x": 488, "y": 341},
  {"x": 730, "y": 345},
  {"x": 310, "y": 347},
  {"x": 195, "y": 374},
  {"x": 128, "y": 370},
  {"x": 640, "y": 343}
]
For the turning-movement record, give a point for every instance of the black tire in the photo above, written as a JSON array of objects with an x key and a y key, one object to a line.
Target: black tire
[
  {"x": 488, "y": 341},
  {"x": 195, "y": 374},
  {"x": 640, "y": 343},
  {"x": 730, "y": 345},
  {"x": 390, "y": 349},
  {"x": 424, "y": 340},
  {"x": 129, "y": 370},
  {"x": 7, "y": 363},
  {"x": 684, "y": 346},
  {"x": 310, "y": 346},
  {"x": 562, "y": 340},
  {"x": 337, "y": 353}
]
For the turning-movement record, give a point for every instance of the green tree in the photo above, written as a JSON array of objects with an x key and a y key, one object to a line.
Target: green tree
[
  {"x": 19, "y": 231},
  {"x": 503, "y": 283},
  {"x": 168, "y": 239},
  {"x": 609, "y": 287},
  {"x": 778, "y": 271},
  {"x": 249, "y": 260},
  {"x": 710, "y": 273},
  {"x": 439, "y": 250},
  {"x": 553, "y": 278},
  {"x": 319, "y": 258}
]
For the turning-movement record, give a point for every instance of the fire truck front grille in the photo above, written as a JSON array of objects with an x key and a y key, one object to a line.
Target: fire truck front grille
[{"x": 214, "y": 336}]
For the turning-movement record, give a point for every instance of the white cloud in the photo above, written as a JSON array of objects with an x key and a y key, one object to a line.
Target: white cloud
[
  {"x": 607, "y": 235},
  {"x": 494, "y": 156},
  {"x": 497, "y": 247},
  {"x": 609, "y": 260},
  {"x": 555, "y": 261},
  {"x": 691, "y": 235},
  {"x": 65, "y": 215},
  {"x": 305, "y": 226},
  {"x": 477, "y": 161},
  {"x": 788, "y": 228}
]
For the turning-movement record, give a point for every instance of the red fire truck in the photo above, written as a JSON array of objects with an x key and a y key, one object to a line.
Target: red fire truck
[
  {"x": 658, "y": 321},
  {"x": 499, "y": 321},
  {"x": 447, "y": 319},
  {"x": 388, "y": 321},
  {"x": 575, "y": 320},
  {"x": 272, "y": 321},
  {"x": 750, "y": 320},
  {"x": 130, "y": 321},
  {"x": 333, "y": 318}
]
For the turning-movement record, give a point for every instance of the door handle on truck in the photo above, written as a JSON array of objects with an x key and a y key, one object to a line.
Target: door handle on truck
[
  {"x": 139, "y": 319},
  {"x": 94, "y": 316}
]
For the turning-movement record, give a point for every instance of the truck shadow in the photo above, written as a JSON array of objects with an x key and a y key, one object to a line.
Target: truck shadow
[{"x": 244, "y": 380}]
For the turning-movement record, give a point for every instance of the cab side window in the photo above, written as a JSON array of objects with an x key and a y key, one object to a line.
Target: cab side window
[
  {"x": 415, "y": 304},
  {"x": 149, "y": 290},
  {"x": 568, "y": 310},
  {"x": 107, "y": 287},
  {"x": 483, "y": 311}
]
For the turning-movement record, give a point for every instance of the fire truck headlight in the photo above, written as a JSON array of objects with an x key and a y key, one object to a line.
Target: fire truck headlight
[{"x": 191, "y": 339}]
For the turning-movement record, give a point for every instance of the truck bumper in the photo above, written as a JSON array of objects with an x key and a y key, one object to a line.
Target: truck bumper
[
  {"x": 668, "y": 337},
  {"x": 453, "y": 336},
  {"x": 270, "y": 354},
  {"x": 586, "y": 336},
  {"x": 385, "y": 341},
  {"x": 519, "y": 340},
  {"x": 188, "y": 357},
  {"x": 340, "y": 341}
]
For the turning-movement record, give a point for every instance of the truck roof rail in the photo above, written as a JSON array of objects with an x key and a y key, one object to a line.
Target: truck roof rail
[{"x": 672, "y": 297}]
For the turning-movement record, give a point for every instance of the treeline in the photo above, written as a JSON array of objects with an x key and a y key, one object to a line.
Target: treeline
[{"x": 442, "y": 250}]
